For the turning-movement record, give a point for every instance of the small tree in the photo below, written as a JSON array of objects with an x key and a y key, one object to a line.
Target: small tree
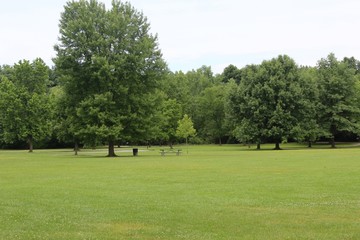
[{"x": 185, "y": 128}]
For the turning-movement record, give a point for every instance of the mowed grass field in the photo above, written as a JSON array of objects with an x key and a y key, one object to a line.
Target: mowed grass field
[{"x": 213, "y": 192}]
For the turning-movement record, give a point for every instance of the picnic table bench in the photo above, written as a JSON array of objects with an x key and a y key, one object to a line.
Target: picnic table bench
[{"x": 163, "y": 152}]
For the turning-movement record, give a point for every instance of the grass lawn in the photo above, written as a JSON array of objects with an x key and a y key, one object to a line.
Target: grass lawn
[{"x": 213, "y": 192}]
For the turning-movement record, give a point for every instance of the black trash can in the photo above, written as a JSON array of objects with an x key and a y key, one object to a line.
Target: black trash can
[{"x": 135, "y": 151}]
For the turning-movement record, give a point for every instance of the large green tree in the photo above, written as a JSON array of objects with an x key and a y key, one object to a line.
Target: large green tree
[
  {"x": 110, "y": 65},
  {"x": 24, "y": 104},
  {"x": 339, "y": 102},
  {"x": 267, "y": 103},
  {"x": 245, "y": 111}
]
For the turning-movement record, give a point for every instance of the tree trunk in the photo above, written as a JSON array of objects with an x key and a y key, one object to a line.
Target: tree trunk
[
  {"x": 30, "y": 142},
  {"x": 111, "y": 152},
  {"x": 309, "y": 144},
  {"x": 277, "y": 146},
  {"x": 332, "y": 142},
  {"x": 220, "y": 142},
  {"x": 258, "y": 146},
  {"x": 76, "y": 148}
]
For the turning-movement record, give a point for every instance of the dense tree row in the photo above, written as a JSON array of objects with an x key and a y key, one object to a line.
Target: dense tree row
[
  {"x": 111, "y": 86},
  {"x": 275, "y": 101},
  {"x": 278, "y": 101}
]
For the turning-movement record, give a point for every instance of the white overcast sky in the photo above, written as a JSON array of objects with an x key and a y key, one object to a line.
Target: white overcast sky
[{"x": 193, "y": 33}]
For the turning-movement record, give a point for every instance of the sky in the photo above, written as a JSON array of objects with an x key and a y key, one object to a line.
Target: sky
[{"x": 193, "y": 33}]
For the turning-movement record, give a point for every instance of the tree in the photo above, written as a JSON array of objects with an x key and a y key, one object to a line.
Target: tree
[
  {"x": 339, "y": 109},
  {"x": 24, "y": 103},
  {"x": 267, "y": 102},
  {"x": 185, "y": 128},
  {"x": 211, "y": 108},
  {"x": 246, "y": 111},
  {"x": 109, "y": 64},
  {"x": 170, "y": 115},
  {"x": 11, "y": 107},
  {"x": 309, "y": 130},
  {"x": 231, "y": 72},
  {"x": 64, "y": 125},
  {"x": 353, "y": 63}
]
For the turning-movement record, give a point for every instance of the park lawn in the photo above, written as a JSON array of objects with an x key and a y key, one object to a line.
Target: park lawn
[{"x": 211, "y": 192}]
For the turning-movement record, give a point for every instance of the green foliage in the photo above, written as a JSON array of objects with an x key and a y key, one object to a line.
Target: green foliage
[
  {"x": 11, "y": 108},
  {"x": 339, "y": 109},
  {"x": 98, "y": 115},
  {"x": 309, "y": 129},
  {"x": 189, "y": 90},
  {"x": 267, "y": 102},
  {"x": 24, "y": 103},
  {"x": 185, "y": 128},
  {"x": 211, "y": 109},
  {"x": 171, "y": 113},
  {"x": 231, "y": 72},
  {"x": 244, "y": 108},
  {"x": 109, "y": 63},
  {"x": 353, "y": 64},
  {"x": 34, "y": 76}
]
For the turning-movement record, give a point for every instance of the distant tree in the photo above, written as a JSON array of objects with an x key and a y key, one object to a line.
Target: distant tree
[
  {"x": 109, "y": 64},
  {"x": 267, "y": 102},
  {"x": 198, "y": 80},
  {"x": 24, "y": 103},
  {"x": 11, "y": 108},
  {"x": 185, "y": 128},
  {"x": 309, "y": 130},
  {"x": 66, "y": 123},
  {"x": 211, "y": 108},
  {"x": 171, "y": 113},
  {"x": 353, "y": 63},
  {"x": 339, "y": 109},
  {"x": 246, "y": 109},
  {"x": 6, "y": 71},
  {"x": 231, "y": 72},
  {"x": 34, "y": 77},
  {"x": 176, "y": 86}
]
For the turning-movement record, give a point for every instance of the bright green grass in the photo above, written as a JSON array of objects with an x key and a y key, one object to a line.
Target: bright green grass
[{"x": 213, "y": 192}]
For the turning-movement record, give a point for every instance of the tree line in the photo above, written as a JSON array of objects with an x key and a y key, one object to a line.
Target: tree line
[{"x": 110, "y": 85}]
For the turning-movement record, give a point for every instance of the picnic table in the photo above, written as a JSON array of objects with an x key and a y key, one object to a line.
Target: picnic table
[{"x": 163, "y": 152}]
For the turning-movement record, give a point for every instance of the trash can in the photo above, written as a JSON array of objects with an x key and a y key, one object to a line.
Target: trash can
[{"x": 135, "y": 151}]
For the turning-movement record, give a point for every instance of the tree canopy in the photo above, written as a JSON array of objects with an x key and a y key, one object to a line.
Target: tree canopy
[
  {"x": 109, "y": 63},
  {"x": 339, "y": 110},
  {"x": 24, "y": 103},
  {"x": 185, "y": 128},
  {"x": 110, "y": 85},
  {"x": 268, "y": 102}
]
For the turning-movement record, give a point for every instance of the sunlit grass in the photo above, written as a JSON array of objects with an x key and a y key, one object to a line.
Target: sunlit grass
[{"x": 213, "y": 192}]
